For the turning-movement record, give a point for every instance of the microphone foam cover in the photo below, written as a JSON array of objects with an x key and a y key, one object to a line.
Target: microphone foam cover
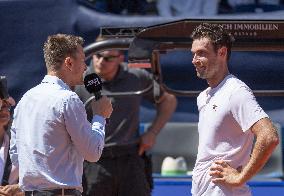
[{"x": 93, "y": 83}]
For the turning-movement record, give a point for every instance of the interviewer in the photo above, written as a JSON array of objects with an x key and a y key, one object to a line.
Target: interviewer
[{"x": 50, "y": 134}]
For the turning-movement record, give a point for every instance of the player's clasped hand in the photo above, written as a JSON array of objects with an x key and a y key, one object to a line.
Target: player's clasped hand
[{"x": 223, "y": 173}]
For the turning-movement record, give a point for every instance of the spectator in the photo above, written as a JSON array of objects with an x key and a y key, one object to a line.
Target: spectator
[
  {"x": 224, "y": 7},
  {"x": 128, "y": 7},
  {"x": 124, "y": 7},
  {"x": 9, "y": 173},
  {"x": 255, "y": 5},
  {"x": 234, "y": 3},
  {"x": 124, "y": 169},
  {"x": 185, "y": 8}
]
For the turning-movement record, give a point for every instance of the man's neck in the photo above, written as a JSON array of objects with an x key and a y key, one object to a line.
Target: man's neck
[
  {"x": 219, "y": 77},
  {"x": 112, "y": 75},
  {"x": 60, "y": 76},
  {"x": 216, "y": 82}
]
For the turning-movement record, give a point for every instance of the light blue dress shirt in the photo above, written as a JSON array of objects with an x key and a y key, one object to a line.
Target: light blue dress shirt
[{"x": 50, "y": 137}]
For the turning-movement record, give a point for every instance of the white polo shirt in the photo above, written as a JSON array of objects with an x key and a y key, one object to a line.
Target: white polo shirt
[{"x": 226, "y": 114}]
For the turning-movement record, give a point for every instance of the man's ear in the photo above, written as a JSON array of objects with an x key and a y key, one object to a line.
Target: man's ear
[
  {"x": 68, "y": 63},
  {"x": 223, "y": 51}
]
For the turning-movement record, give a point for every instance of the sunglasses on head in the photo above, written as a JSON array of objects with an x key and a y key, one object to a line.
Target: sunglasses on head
[{"x": 106, "y": 58}]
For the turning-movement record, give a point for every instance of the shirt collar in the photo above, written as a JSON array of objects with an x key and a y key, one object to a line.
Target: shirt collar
[
  {"x": 212, "y": 91},
  {"x": 55, "y": 80}
]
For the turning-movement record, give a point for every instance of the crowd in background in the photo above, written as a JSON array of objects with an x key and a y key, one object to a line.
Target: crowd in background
[{"x": 185, "y": 8}]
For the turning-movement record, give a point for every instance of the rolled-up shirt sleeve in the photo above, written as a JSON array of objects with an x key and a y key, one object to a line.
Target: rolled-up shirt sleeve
[{"x": 87, "y": 137}]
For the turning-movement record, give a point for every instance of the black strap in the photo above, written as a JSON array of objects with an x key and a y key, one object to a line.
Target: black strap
[{"x": 7, "y": 171}]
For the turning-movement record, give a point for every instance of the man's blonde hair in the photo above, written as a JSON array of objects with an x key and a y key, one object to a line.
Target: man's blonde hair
[{"x": 58, "y": 47}]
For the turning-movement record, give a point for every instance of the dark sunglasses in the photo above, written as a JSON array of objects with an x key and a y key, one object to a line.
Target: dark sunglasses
[{"x": 107, "y": 58}]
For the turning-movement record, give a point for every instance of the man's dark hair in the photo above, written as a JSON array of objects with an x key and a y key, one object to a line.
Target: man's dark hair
[
  {"x": 216, "y": 33},
  {"x": 58, "y": 47}
]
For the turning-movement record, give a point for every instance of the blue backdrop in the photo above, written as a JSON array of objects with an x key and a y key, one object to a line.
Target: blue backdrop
[{"x": 25, "y": 25}]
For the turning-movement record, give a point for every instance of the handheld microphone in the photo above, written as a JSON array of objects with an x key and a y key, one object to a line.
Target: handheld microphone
[{"x": 93, "y": 84}]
